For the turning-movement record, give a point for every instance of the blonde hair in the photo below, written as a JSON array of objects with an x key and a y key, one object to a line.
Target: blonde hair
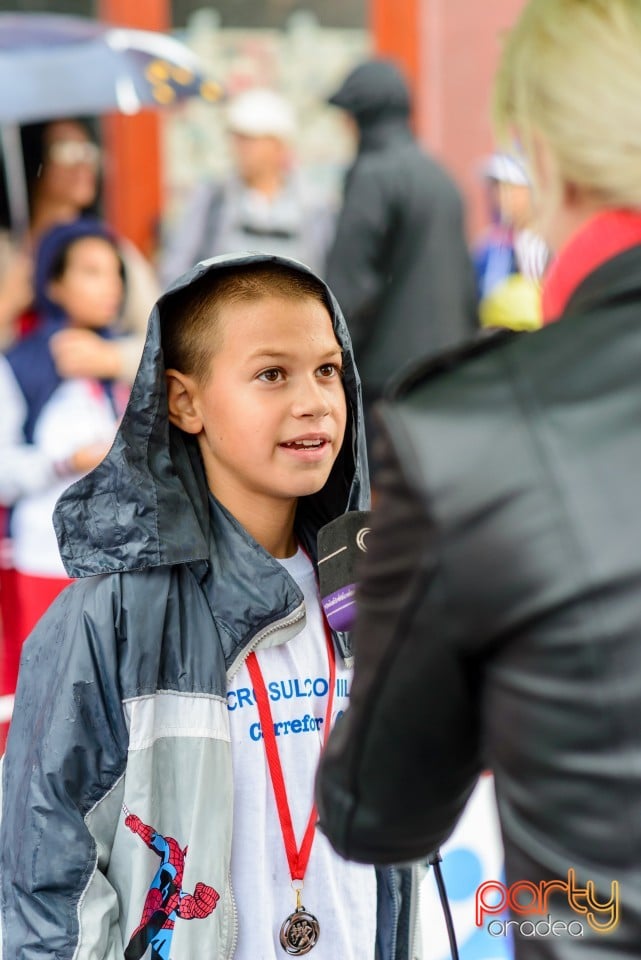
[{"x": 571, "y": 71}]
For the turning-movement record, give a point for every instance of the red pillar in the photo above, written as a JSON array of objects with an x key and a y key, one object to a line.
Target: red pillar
[
  {"x": 394, "y": 28},
  {"x": 449, "y": 50},
  {"x": 133, "y": 183}
]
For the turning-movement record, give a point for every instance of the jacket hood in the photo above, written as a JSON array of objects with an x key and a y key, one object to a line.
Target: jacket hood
[
  {"x": 147, "y": 504},
  {"x": 374, "y": 91}
]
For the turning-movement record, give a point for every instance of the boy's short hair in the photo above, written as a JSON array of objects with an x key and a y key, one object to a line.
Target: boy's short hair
[{"x": 190, "y": 330}]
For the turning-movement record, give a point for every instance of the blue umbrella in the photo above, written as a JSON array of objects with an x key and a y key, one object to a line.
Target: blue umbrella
[{"x": 54, "y": 66}]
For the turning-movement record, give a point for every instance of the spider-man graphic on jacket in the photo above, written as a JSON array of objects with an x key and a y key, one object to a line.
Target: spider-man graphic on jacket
[{"x": 165, "y": 902}]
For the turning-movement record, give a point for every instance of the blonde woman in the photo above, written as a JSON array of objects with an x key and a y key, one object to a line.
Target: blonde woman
[{"x": 500, "y": 604}]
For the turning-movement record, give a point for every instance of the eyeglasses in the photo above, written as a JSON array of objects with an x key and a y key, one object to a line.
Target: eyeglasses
[{"x": 69, "y": 153}]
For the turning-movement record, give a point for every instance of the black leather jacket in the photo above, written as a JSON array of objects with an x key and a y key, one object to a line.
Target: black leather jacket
[{"x": 500, "y": 617}]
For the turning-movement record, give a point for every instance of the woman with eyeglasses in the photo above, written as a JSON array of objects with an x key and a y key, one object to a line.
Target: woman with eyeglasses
[{"x": 61, "y": 165}]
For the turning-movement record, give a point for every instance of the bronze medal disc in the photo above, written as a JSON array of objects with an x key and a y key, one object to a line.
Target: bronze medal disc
[{"x": 299, "y": 933}]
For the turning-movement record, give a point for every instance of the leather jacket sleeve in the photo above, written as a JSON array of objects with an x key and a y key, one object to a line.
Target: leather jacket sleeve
[{"x": 403, "y": 760}]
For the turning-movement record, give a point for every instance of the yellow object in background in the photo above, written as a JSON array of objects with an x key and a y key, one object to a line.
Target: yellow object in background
[{"x": 515, "y": 303}]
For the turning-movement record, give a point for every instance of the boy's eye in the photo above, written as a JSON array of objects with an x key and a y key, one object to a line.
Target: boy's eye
[
  {"x": 329, "y": 370},
  {"x": 273, "y": 375}
]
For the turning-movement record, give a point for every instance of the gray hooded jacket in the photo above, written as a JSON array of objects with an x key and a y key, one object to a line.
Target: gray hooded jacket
[{"x": 121, "y": 703}]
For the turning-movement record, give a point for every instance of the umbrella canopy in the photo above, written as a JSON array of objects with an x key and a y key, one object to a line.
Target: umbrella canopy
[
  {"x": 54, "y": 66},
  {"x": 57, "y": 66}
]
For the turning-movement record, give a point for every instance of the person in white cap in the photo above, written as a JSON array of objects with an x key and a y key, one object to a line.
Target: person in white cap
[
  {"x": 264, "y": 205},
  {"x": 510, "y": 258},
  {"x": 509, "y": 246}
]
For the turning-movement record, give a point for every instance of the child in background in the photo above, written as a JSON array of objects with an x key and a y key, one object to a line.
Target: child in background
[
  {"x": 54, "y": 430},
  {"x": 511, "y": 258},
  {"x": 175, "y": 707}
]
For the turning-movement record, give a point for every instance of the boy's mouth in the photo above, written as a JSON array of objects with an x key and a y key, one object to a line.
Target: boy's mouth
[
  {"x": 312, "y": 443},
  {"x": 304, "y": 444}
]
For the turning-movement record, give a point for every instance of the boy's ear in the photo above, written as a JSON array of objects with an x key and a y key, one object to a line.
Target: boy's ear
[{"x": 181, "y": 394}]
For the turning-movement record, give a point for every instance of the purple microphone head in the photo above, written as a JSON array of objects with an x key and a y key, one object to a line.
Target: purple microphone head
[{"x": 340, "y": 607}]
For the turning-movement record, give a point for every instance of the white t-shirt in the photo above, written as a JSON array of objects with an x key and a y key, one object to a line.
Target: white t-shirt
[{"x": 341, "y": 895}]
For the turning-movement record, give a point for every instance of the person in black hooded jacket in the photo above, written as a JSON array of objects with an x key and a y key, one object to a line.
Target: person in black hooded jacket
[{"x": 399, "y": 264}]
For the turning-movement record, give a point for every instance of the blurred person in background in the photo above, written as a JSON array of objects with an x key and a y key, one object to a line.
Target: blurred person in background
[
  {"x": 399, "y": 264},
  {"x": 62, "y": 166},
  {"x": 265, "y": 205},
  {"x": 16, "y": 292},
  {"x": 500, "y": 600},
  {"x": 510, "y": 259},
  {"x": 53, "y": 430}
]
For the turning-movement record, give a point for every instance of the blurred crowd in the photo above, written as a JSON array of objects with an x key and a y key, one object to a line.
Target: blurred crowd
[{"x": 75, "y": 296}]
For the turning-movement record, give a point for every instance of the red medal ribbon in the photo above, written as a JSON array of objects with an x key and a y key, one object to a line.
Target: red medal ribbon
[{"x": 296, "y": 858}]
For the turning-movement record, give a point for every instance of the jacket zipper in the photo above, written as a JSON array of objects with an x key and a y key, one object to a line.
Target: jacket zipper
[
  {"x": 392, "y": 876},
  {"x": 262, "y": 635},
  {"x": 415, "y": 902},
  {"x": 234, "y": 941}
]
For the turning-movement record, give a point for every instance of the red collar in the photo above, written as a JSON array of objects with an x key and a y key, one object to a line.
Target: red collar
[{"x": 601, "y": 238}]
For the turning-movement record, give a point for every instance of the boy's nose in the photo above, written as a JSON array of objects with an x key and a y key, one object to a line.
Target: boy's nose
[{"x": 311, "y": 400}]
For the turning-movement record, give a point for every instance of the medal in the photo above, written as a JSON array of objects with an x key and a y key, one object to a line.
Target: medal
[{"x": 299, "y": 933}]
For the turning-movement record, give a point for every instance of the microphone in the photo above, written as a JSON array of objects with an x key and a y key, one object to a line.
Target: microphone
[{"x": 341, "y": 545}]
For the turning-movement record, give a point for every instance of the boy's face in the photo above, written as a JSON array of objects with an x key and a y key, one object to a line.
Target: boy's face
[
  {"x": 90, "y": 289},
  {"x": 270, "y": 419}
]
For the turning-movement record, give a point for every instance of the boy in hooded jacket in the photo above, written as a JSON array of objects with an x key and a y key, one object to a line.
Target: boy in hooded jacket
[{"x": 173, "y": 703}]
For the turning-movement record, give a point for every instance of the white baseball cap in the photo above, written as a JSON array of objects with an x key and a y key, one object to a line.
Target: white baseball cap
[
  {"x": 507, "y": 169},
  {"x": 261, "y": 113}
]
